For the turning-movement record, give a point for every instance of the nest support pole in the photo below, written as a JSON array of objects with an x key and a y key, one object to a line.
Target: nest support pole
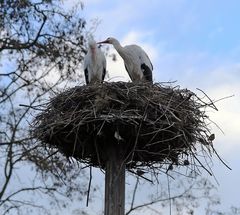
[{"x": 114, "y": 183}]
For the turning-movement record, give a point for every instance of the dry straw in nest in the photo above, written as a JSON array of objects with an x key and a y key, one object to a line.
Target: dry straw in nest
[{"x": 149, "y": 124}]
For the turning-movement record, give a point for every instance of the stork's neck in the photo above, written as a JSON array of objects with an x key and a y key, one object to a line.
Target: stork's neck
[
  {"x": 93, "y": 54},
  {"x": 118, "y": 47}
]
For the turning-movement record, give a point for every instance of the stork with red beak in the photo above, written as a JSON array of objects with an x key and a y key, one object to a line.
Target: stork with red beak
[
  {"x": 137, "y": 63},
  {"x": 94, "y": 64}
]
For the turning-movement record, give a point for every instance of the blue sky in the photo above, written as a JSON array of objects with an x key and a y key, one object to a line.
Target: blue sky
[
  {"x": 194, "y": 42},
  {"x": 183, "y": 25}
]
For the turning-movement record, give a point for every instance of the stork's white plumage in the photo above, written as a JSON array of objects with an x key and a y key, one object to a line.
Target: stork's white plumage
[
  {"x": 94, "y": 64},
  {"x": 137, "y": 63}
]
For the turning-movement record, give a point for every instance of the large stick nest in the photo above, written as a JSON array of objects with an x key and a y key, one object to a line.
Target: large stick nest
[{"x": 147, "y": 123}]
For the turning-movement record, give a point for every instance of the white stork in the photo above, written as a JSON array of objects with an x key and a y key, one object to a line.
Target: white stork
[
  {"x": 137, "y": 63},
  {"x": 94, "y": 64}
]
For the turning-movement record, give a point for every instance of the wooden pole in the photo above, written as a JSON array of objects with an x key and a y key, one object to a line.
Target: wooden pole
[{"x": 114, "y": 183}]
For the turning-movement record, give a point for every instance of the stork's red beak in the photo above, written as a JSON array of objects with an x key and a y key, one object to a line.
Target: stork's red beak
[{"x": 105, "y": 41}]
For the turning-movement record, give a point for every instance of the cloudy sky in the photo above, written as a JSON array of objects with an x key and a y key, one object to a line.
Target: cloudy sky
[{"x": 196, "y": 43}]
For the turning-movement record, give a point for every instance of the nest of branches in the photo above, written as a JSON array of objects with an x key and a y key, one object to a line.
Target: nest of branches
[{"x": 147, "y": 123}]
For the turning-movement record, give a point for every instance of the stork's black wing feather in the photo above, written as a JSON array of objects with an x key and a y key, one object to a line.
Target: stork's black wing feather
[
  {"x": 103, "y": 74},
  {"x": 147, "y": 72},
  {"x": 86, "y": 76}
]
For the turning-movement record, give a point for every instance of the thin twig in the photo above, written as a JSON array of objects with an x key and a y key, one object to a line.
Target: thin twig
[{"x": 89, "y": 185}]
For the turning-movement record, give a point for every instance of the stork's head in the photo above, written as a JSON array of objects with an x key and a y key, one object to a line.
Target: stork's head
[
  {"x": 92, "y": 44},
  {"x": 109, "y": 40}
]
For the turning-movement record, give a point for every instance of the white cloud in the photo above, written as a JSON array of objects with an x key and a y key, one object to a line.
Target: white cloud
[{"x": 227, "y": 117}]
